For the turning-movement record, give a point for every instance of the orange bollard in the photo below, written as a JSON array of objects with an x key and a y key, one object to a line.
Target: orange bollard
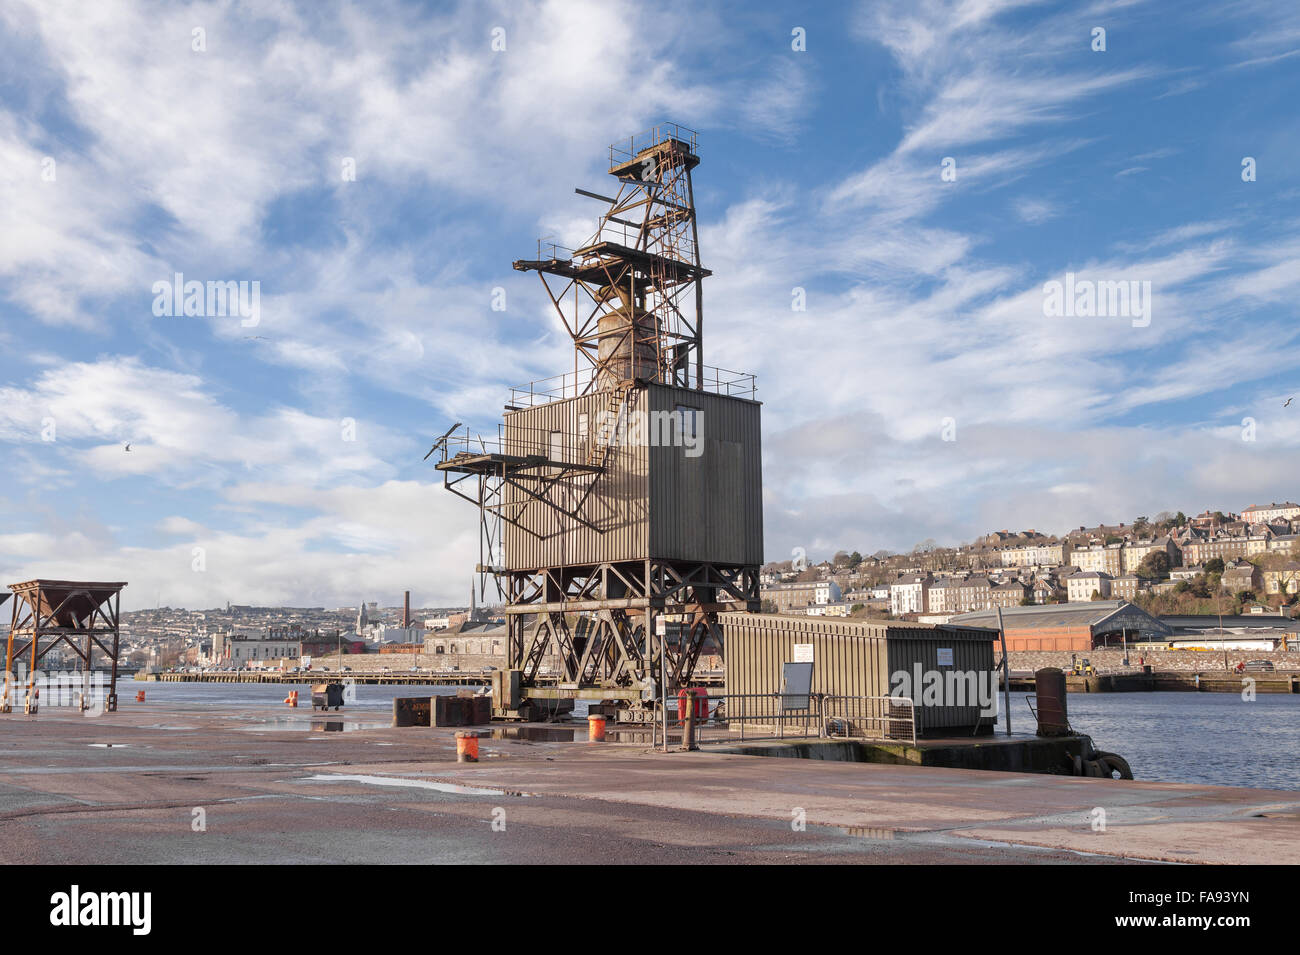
[
  {"x": 139, "y": 696},
  {"x": 466, "y": 748},
  {"x": 595, "y": 729}
]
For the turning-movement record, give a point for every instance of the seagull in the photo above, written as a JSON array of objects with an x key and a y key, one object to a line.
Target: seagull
[
  {"x": 1288, "y": 401},
  {"x": 128, "y": 446}
]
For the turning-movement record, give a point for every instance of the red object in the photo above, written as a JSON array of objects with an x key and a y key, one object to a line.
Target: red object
[{"x": 701, "y": 702}]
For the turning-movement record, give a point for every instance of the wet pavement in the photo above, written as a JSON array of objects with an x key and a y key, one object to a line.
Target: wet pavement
[{"x": 168, "y": 783}]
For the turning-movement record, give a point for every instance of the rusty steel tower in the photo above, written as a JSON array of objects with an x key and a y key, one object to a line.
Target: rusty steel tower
[{"x": 621, "y": 503}]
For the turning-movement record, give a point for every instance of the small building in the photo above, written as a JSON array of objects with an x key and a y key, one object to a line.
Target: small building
[{"x": 859, "y": 658}]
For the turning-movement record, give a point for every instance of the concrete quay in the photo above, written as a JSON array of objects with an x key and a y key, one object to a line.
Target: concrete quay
[{"x": 165, "y": 783}]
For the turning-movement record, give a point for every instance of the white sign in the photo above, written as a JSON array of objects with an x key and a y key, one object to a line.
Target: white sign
[
  {"x": 945, "y": 656},
  {"x": 661, "y": 626},
  {"x": 306, "y": 662},
  {"x": 803, "y": 653}
]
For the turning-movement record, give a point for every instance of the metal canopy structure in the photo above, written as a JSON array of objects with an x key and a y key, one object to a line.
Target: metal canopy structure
[
  {"x": 584, "y": 535},
  {"x": 81, "y": 614},
  {"x": 637, "y": 303}
]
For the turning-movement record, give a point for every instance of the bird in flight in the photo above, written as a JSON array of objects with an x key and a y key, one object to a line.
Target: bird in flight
[
  {"x": 128, "y": 446},
  {"x": 1288, "y": 402}
]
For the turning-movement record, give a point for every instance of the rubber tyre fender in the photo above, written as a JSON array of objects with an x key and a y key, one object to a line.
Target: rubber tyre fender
[{"x": 1114, "y": 764}]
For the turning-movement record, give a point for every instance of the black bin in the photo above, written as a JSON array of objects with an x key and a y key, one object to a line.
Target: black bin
[{"x": 325, "y": 695}]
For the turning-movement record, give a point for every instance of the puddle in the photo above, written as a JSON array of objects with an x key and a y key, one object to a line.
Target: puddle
[
  {"x": 569, "y": 734},
  {"x": 312, "y": 726},
  {"x": 166, "y": 726},
  {"x": 409, "y": 784},
  {"x": 108, "y": 745},
  {"x": 539, "y": 734}
]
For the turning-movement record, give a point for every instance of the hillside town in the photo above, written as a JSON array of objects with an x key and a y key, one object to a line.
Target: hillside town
[
  {"x": 1215, "y": 562},
  {"x": 247, "y": 637}
]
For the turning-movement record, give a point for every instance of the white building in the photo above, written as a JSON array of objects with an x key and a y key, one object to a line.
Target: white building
[
  {"x": 909, "y": 594},
  {"x": 1079, "y": 588}
]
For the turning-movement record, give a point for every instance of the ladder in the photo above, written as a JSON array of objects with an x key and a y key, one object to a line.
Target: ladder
[{"x": 607, "y": 430}]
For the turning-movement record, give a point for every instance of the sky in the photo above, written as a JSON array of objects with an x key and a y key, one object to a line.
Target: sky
[{"x": 916, "y": 174}]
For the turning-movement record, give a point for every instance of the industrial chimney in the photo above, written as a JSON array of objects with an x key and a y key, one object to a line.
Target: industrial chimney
[{"x": 406, "y": 611}]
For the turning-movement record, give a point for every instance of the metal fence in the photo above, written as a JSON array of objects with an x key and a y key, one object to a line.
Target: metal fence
[
  {"x": 736, "y": 717},
  {"x": 718, "y": 381}
]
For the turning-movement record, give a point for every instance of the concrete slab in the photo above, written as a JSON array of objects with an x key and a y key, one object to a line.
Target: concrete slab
[{"x": 290, "y": 793}]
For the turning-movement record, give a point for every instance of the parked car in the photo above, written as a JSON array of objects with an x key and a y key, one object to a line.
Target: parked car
[{"x": 1260, "y": 665}]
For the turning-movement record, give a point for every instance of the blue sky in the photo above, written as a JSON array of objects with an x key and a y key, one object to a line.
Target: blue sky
[{"x": 127, "y": 155}]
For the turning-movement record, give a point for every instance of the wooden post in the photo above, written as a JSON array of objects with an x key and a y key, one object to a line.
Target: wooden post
[{"x": 1006, "y": 671}]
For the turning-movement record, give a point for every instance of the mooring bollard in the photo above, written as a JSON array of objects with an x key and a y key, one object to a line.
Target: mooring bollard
[
  {"x": 595, "y": 729},
  {"x": 688, "y": 727},
  {"x": 292, "y": 698},
  {"x": 139, "y": 696},
  {"x": 467, "y": 747}
]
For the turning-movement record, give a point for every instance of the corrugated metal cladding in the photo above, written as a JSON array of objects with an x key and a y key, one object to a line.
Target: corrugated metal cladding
[
  {"x": 708, "y": 506},
  {"x": 652, "y": 502},
  {"x": 619, "y": 505},
  {"x": 857, "y": 658}
]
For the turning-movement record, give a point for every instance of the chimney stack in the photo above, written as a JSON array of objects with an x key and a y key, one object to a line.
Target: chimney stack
[{"x": 406, "y": 611}]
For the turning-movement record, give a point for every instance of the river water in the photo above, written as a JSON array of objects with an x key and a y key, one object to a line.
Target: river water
[{"x": 1213, "y": 738}]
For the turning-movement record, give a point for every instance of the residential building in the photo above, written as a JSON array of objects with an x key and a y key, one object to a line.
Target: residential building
[
  {"x": 1283, "y": 544},
  {"x": 943, "y": 594},
  {"x": 1282, "y": 579},
  {"x": 1083, "y": 585},
  {"x": 1242, "y": 576},
  {"x": 798, "y": 594},
  {"x": 1198, "y": 551},
  {"x": 1134, "y": 552},
  {"x": 909, "y": 594},
  {"x": 1008, "y": 594},
  {"x": 1271, "y": 512},
  {"x": 1125, "y": 587},
  {"x": 973, "y": 593},
  {"x": 1099, "y": 558},
  {"x": 1036, "y": 554}
]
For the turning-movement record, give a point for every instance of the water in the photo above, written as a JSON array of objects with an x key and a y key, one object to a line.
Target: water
[
  {"x": 370, "y": 699},
  {"x": 1213, "y": 738}
]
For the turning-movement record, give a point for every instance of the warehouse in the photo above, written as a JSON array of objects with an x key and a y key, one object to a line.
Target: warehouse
[{"x": 1071, "y": 626}]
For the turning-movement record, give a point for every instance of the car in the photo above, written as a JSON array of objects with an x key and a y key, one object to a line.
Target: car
[
  {"x": 1264, "y": 666},
  {"x": 346, "y": 670}
]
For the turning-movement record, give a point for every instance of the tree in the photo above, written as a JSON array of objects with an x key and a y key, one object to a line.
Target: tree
[
  {"x": 1154, "y": 565},
  {"x": 854, "y": 559},
  {"x": 1026, "y": 601},
  {"x": 1214, "y": 565},
  {"x": 768, "y": 606}
]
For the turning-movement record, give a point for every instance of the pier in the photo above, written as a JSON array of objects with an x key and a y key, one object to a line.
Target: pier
[
  {"x": 281, "y": 786},
  {"x": 1213, "y": 681}
]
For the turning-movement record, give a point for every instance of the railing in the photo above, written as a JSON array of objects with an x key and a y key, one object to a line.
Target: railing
[
  {"x": 869, "y": 717},
  {"x": 628, "y": 149},
  {"x": 718, "y": 381},
  {"x": 736, "y": 717}
]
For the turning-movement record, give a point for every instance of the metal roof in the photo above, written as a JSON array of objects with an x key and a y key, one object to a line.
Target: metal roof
[{"x": 1094, "y": 613}]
